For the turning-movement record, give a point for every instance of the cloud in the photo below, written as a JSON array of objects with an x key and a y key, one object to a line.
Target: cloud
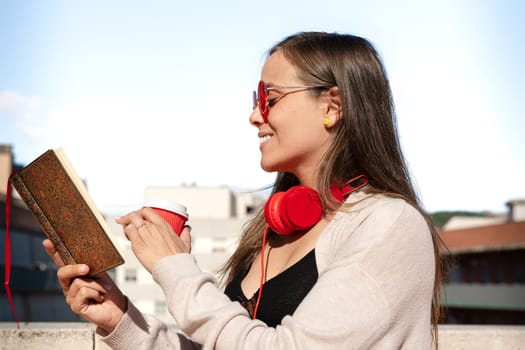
[
  {"x": 18, "y": 105},
  {"x": 22, "y": 115}
]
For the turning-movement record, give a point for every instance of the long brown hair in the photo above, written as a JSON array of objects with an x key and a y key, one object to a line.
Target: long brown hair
[{"x": 365, "y": 140}]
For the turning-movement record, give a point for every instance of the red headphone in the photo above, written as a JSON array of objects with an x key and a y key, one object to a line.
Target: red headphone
[{"x": 299, "y": 208}]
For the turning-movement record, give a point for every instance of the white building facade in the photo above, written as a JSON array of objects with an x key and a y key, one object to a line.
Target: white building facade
[{"x": 217, "y": 216}]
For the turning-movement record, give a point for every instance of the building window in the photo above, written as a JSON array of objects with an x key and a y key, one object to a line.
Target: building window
[
  {"x": 455, "y": 274},
  {"x": 520, "y": 271},
  {"x": 130, "y": 275}
]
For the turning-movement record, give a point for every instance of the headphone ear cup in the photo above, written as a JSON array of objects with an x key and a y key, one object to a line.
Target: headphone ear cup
[
  {"x": 302, "y": 208},
  {"x": 272, "y": 214},
  {"x": 297, "y": 209}
]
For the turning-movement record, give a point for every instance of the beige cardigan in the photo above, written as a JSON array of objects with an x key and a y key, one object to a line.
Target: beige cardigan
[{"x": 376, "y": 276}]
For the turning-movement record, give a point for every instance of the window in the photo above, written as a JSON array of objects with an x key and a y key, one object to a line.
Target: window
[{"x": 130, "y": 275}]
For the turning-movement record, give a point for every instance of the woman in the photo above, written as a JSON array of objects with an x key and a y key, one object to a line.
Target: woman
[{"x": 346, "y": 258}]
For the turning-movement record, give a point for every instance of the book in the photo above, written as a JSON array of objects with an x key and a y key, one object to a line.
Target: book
[{"x": 60, "y": 202}]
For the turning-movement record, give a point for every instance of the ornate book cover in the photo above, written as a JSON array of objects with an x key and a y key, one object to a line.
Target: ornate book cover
[{"x": 68, "y": 216}]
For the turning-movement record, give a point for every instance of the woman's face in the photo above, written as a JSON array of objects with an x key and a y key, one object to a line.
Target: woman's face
[{"x": 294, "y": 138}]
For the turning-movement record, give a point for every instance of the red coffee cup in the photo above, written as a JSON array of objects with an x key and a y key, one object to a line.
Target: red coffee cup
[{"x": 174, "y": 213}]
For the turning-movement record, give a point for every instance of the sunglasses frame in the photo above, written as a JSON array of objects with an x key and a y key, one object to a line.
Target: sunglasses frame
[{"x": 260, "y": 97}]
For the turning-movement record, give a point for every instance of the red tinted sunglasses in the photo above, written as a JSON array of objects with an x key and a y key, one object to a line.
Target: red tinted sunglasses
[{"x": 260, "y": 97}]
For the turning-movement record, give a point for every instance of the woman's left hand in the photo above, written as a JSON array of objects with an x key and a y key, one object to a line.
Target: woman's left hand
[{"x": 152, "y": 238}]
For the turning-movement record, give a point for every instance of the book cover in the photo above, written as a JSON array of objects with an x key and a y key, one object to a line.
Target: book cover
[{"x": 60, "y": 202}]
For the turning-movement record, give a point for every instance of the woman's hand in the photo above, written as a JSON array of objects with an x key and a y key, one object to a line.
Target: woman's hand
[
  {"x": 95, "y": 298},
  {"x": 152, "y": 238}
]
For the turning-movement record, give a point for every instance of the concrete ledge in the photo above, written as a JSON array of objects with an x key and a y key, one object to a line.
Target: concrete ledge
[
  {"x": 463, "y": 337},
  {"x": 81, "y": 336},
  {"x": 49, "y": 335}
]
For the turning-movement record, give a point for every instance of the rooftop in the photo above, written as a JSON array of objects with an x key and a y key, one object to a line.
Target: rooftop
[{"x": 505, "y": 236}]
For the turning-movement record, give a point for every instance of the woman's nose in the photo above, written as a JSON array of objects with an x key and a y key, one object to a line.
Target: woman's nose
[{"x": 256, "y": 118}]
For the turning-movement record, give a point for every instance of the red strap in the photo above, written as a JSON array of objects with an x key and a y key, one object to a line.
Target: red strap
[
  {"x": 354, "y": 184},
  {"x": 263, "y": 273},
  {"x": 8, "y": 251}
]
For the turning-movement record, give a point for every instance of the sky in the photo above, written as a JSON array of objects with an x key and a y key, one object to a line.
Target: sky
[{"x": 158, "y": 93}]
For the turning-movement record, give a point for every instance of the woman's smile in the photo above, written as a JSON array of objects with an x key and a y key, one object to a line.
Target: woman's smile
[{"x": 265, "y": 138}]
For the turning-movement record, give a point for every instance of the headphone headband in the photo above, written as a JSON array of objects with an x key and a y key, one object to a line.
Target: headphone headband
[{"x": 341, "y": 192}]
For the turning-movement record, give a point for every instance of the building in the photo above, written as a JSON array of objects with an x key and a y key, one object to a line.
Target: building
[
  {"x": 33, "y": 283},
  {"x": 486, "y": 284},
  {"x": 217, "y": 216}
]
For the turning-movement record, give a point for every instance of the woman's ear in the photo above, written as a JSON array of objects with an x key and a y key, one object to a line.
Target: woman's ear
[{"x": 333, "y": 107}]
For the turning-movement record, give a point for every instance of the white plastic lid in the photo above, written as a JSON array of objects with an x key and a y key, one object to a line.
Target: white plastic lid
[{"x": 167, "y": 205}]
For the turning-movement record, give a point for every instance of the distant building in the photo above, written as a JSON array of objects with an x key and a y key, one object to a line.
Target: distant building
[
  {"x": 217, "y": 217},
  {"x": 33, "y": 283},
  {"x": 486, "y": 284},
  {"x": 461, "y": 222}
]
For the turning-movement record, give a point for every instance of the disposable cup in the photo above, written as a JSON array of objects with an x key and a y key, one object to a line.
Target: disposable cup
[{"x": 174, "y": 213}]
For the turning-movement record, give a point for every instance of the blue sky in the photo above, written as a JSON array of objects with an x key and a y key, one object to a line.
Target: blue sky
[{"x": 159, "y": 93}]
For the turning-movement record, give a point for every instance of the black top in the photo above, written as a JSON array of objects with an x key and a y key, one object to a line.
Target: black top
[{"x": 282, "y": 294}]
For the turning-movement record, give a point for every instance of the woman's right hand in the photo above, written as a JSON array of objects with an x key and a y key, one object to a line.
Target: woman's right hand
[{"x": 95, "y": 298}]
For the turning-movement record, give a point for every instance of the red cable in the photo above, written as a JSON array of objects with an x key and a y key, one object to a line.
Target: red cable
[
  {"x": 263, "y": 274},
  {"x": 7, "y": 275}
]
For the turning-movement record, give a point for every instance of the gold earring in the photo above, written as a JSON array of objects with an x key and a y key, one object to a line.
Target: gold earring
[{"x": 326, "y": 121}]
